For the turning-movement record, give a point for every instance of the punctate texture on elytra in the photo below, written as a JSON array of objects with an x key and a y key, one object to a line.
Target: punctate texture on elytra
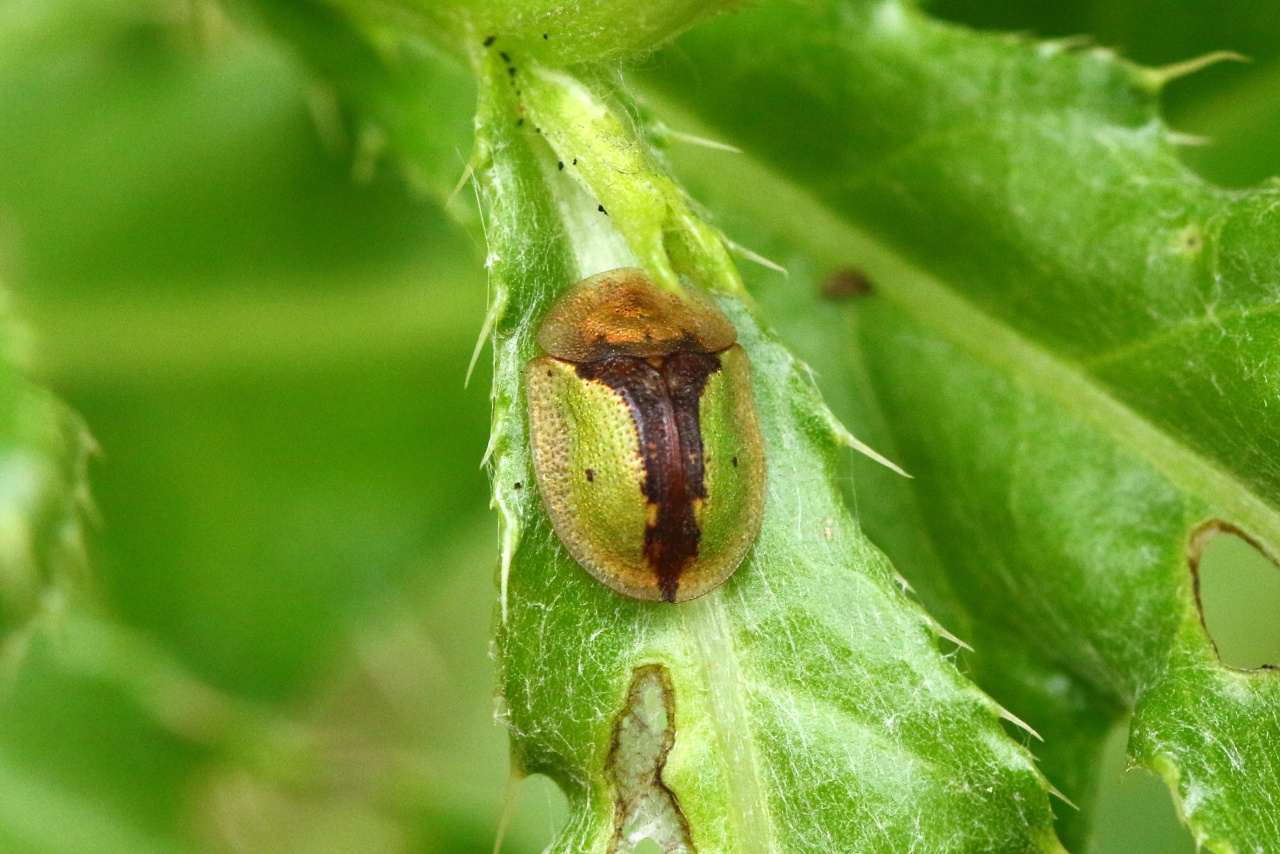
[{"x": 645, "y": 442}]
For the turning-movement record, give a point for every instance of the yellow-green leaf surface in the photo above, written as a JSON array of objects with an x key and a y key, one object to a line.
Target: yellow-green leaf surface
[
  {"x": 224, "y": 226},
  {"x": 1071, "y": 347},
  {"x": 803, "y": 706}
]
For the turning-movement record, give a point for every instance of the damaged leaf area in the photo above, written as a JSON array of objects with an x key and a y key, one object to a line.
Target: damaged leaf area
[
  {"x": 1069, "y": 341},
  {"x": 802, "y": 706},
  {"x": 643, "y": 733}
]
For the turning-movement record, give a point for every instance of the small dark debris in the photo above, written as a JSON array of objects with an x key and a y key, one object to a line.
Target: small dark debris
[
  {"x": 504, "y": 56},
  {"x": 545, "y": 36},
  {"x": 1192, "y": 241},
  {"x": 560, "y": 164},
  {"x": 490, "y": 40},
  {"x": 602, "y": 210},
  {"x": 512, "y": 71},
  {"x": 591, "y": 475},
  {"x": 846, "y": 283},
  {"x": 519, "y": 122},
  {"x": 538, "y": 130},
  {"x": 519, "y": 485},
  {"x": 575, "y": 161},
  {"x": 735, "y": 462}
]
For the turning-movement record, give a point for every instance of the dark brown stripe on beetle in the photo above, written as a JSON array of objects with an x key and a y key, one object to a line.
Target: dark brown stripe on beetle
[{"x": 663, "y": 397}]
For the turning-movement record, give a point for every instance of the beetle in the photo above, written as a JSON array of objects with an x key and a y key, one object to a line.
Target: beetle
[{"x": 646, "y": 448}]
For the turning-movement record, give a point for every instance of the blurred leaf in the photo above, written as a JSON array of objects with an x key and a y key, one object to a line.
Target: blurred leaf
[
  {"x": 38, "y": 818},
  {"x": 43, "y": 454},
  {"x": 240, "y": 383},
  {"x": 204, "y": 171},
  {"x": 271, "y": 354},
  {"x": 406, "y": 97},
  {"x": 43, "y": 496}
]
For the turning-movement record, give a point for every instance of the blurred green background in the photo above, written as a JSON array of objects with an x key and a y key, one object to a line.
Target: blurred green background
[{"x": 267, "y": 333}]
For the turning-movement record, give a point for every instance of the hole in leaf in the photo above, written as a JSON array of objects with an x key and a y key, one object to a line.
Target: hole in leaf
[
  {"x": 645, "y": 810},
  {"x": 1135, "y": 811},
  {"x": 1239, "y": 592}
]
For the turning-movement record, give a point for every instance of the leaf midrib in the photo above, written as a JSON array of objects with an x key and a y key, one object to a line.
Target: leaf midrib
[
  {"x": 705, "y": 625},
  {"x": 927, "y": 299}
]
